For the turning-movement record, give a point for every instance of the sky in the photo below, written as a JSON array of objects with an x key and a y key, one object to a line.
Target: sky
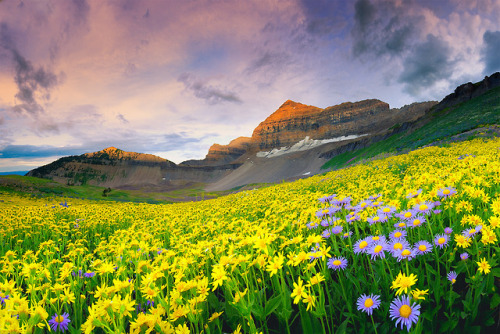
[{"x": 173, "y": 77}]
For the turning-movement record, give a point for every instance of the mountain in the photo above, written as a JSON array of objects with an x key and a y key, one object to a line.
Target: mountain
[
  {"x": 294, "y": 141},
  {"x": 115, "y": 168}
]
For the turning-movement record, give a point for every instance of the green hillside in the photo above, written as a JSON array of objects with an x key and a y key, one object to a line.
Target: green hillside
[{"x": 441, "y": 127}]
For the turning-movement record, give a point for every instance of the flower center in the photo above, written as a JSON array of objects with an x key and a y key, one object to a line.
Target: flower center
[
  {"x": 368, "y": 302},
  {"x": 422, "y": 248},
  {"x": 59, "y": 319},
  {"x": 416, "y": 222},
  {"x": 398, "y": 245},
  {"x": 453, "y": 281},
  {"x": 398, "y": 234},
  {"x": 402, "y": 224},
  {"x": 441, "y": 241},
  {"x": 408, "y": 215},
  {"x": 376, "y": 238},
  {"x": 336, "y": 263},
  {"x": 363, "y": 244},
  {"x": 377, "y": 249},
  {"x": 446, "y": 192},
  {"x": 423, "y": 207},
  {"x": 376, "y": 218},
  {"x": 386, "y": 210},
  {"x": 405, "y": 311},
  {"x": 406, "y": 252}
]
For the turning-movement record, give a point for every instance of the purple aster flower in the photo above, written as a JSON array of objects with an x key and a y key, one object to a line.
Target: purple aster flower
[
  {"x": 337, "y": 229},
  {"x": 423, "y": 247},
  {"x": 352, "y": 218},
  {"x": 364, "y": 204},
  {"x": 322, "y": 212},
  {"x": 464, "y": 256},
  {"x": 446, "y": 192},
  {"x": 414, "y": 193},
  {"x": 387, "y": 211},
  {"x": 337, "y": 263},
  {"x": 407, "y": 253},
  {"x": 333, "y": 210},
  {"x": 378, "y": 249},
  {"x": 376, "y": 219},
  {"x": 423, "y": 208},
  {"x": 472, "y": 231},
  {"x": 437, "y": 212},
  {"x": 375, "y": 238},
  {"x": 327, "y": 199},
  {"x": 452, "y": 277},
  {"x": 374, "y": 197},
  {"x": 448, "y": 230},
  {"x": 59, "y": 322},
  {"x": 326, "y": 233},
  {"x": 362, "y": 245},
  {"x": 403, "y": 312},
  {"x": 312, "y": 225},
  {"x": 416, "y": 221},
  {"x": 397, "y": 234},
  {"x": 3, "y": 298},
  {"x": 347, "y": 234},
  {"x": 397, "y": 246},
  {"x": 325, "y": 223},
  {"x": 367, "y": 303},
  {"x": 401, "y": 224},
  {"x": 89, "y": 275},
  {"x": 441, "y": 240},
  {"x": 407, "y": 214}
]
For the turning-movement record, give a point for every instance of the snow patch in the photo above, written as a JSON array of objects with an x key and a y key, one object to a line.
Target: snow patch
[{"x": 303, "y": 145}]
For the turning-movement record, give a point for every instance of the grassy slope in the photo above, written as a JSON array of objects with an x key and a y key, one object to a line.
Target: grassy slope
[
  {"x": 35, "y": 186},
  {"x": 482, "y": 110}
]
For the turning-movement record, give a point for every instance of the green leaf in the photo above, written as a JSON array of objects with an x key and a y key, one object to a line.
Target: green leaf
[
  {"x": 343, "y": 327},
  {"x": 271, "y": 305},
  {"x": 495, "y": 301},
  {"x": 495, "y": 272}
]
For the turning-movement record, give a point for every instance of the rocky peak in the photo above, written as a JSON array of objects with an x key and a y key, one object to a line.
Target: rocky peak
[
  {"x": 290, "y": 110},
  {"x": 113, "y": 153},
  {"x": 294, "y": 121}
]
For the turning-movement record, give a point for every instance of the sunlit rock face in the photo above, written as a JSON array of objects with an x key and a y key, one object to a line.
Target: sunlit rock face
[{"x": 293, "y": 121}]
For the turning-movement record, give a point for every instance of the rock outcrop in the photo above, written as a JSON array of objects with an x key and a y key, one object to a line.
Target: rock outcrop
[
  {"x": 469, "y": 91},
  {"x": 222, "y": 154}
]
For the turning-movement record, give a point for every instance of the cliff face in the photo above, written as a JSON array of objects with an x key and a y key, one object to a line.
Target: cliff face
[
  {"x": 218, "y": 154},
  {"x": 294, "y": 121}
]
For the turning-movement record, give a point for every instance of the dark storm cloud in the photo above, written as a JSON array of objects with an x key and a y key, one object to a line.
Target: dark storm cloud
[
  {"x": 32, "y": 82},
  {"x": 385, "y": 29},
  {"x": 428, "y": 63},
  {"x": 491, "y": 52},
  {"x": 204, "y": 91}
]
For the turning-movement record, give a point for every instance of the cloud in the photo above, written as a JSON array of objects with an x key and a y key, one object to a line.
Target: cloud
[
  {"x": 204, "y": 91},
  {"x": 122, "y": 119},
  {"x": 490, "y": 52},
  {"x": 323, "y": 17},
  {"x": 33, "y": 83},
  {"x": 427, "y": 64},
  {"x": 383, "y": 29},
  {"x": 33, "y": 151}
]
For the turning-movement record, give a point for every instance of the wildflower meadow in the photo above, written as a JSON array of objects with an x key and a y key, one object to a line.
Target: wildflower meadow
[{"x": 404, "y": 244}]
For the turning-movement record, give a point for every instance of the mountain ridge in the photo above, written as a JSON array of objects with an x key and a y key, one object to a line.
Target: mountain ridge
[{"x": 357, "y": 124}]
